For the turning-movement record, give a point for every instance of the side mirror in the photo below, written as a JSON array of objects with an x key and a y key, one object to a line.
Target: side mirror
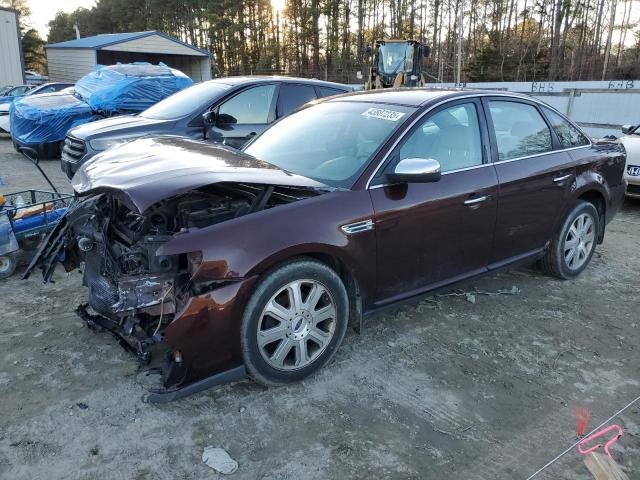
[
  {"x": 627, "y": 129},
  {"x": 426, "y": 50},
  {"x": 209, "y": 117},
  {"x": 415, "y": 170}
]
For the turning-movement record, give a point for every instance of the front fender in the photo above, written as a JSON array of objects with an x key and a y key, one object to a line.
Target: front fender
[{"x": 249, "y": 245}]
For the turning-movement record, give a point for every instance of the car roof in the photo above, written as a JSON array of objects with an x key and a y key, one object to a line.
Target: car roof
[
  {"x": 241, "y": 80},
  {"x": 415, "y": 97},
  {"x": 48, "y": 84}
]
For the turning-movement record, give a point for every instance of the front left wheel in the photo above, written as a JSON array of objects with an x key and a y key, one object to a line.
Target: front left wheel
[{"x": 294, "y": 322}]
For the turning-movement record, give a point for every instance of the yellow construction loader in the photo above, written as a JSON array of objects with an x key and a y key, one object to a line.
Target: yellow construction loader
[{"x": 396, "y": 63}]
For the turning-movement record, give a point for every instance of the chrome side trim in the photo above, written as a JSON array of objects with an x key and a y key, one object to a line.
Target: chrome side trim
[
  {"x": 540, "y": 154},
  {"x": 477, "y": 95},
  {"x": 357, "y": 227}
]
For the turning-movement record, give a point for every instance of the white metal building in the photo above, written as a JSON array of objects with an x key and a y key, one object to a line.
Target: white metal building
[
  {"x": 71, "y": 60},
  {"x": 11, "y": 59}
]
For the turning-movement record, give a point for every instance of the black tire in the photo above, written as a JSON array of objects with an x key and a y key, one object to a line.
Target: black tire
[
  {"x": 8, "y": 263},
  {"x": 554, "y": 261},
  {"x": 272, "y": 283}
]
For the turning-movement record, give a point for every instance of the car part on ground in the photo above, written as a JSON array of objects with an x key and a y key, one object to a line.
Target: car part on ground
[
  {"x": 226, "y": 262},
  {"x": 182, "y": 114},
  {"x": 41, "y": 123}
]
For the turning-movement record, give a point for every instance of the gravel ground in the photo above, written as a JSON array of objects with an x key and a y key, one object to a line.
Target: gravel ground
[{"x": 458, "y": 386}]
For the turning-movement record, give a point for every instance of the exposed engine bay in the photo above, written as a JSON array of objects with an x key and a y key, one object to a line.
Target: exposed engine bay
[{"x": 133, "y": 292}]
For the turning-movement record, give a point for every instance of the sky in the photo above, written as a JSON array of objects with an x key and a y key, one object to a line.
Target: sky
[{"x": 43, "y": 11}]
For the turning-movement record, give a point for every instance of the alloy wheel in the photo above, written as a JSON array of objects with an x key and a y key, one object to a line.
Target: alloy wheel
[
  {"x": 296, "y": 325},
  {"x": 579, "y": 241}
]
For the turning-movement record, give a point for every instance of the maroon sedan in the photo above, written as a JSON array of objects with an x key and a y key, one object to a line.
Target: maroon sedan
[{"x": 256, "y": 261}]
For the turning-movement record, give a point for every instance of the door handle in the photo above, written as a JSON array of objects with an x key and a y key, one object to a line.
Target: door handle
[
  {"x": 562, "y": 178},
  {"x": 475, "y": 201}
]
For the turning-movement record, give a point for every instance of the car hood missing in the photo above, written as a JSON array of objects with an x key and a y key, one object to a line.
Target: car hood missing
[{"x": 153, "y": 169}]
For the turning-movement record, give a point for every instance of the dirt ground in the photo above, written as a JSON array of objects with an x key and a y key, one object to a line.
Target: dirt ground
[{"x": 458, "y": 386}]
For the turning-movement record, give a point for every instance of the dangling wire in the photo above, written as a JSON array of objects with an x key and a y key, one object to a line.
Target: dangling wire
[{"x": 162, "y": 309}]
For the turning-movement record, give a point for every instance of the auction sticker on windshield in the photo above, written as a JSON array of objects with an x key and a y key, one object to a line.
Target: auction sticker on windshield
[{"x": 383, "y": 113}]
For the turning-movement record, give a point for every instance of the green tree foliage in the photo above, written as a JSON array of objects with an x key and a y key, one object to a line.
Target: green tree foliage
[
  {"x": 33, "y": 51},
  {"x": 22, "y": 7},
  {"x": 500, "y": 39}
]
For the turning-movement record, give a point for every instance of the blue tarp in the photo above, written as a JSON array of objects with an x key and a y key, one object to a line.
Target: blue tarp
[
  {"x": 130, "y": 87},
  {"x": 111, "y": 90},
  {"x": 7, "y": 99},
  {"x": 47, "y": 118}
]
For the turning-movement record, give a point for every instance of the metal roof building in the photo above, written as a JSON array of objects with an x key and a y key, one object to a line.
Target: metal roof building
[
  {"x": 69, "y": 61},
  {"x": 11, "y": 59}
]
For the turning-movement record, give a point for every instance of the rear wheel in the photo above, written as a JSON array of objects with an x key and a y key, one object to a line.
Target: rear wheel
[
  {"x": 573, "y": 246},
  {"x": 8, "y": 264},
  {"x": 294, "y": 322}
]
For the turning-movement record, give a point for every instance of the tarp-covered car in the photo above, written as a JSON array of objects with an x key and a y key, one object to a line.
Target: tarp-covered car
[
  {"x": 6, "y": 101},
  {"x": 41, "y": 123}
]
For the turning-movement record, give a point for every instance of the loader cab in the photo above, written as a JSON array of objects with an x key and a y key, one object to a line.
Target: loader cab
[{"x": 396, "y": 63}]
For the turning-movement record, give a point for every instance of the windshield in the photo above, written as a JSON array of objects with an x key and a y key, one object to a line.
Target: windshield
[
  {"x": 16, "y": 91},
  {"x": 186, "y": 101},
  {"x": 394, "y": 58},
  {"x": 330, "y": 142}
]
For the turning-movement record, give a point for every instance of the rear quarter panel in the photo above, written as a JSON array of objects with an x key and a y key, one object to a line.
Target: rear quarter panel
[{"x": 601, "y": 168}]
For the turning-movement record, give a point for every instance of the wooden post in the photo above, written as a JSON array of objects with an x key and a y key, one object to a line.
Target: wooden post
[{"x": 603, "y": 467}]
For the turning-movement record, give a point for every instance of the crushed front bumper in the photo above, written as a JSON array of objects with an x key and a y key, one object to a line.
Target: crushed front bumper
[{"x": 202, "y": 342}]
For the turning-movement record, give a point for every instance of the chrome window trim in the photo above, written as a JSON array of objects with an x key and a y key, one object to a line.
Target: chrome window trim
[
  {"x": 474, "y": 167},
  {"x": 475, "y": 95},
  {"x": 540, "y": 154}
]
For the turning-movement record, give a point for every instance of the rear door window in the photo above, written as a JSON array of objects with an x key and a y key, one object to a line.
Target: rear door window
[
  {"x": 451, "y": 136},
  {"x": 519, "y": 128},
  {"x": 568, "y": 135},
  {"x": 292, "y": 97},
  {"x": 249, "y": 107}
]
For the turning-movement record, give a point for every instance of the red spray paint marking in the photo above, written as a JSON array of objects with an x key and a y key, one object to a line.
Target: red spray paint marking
[{"x": 582, "y": 420}]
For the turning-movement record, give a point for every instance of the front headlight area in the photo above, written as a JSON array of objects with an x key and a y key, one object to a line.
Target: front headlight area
[{"x": 100, "y": 144}]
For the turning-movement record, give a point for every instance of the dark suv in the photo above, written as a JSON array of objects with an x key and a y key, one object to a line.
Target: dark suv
[{"x": 236, "y": 108}]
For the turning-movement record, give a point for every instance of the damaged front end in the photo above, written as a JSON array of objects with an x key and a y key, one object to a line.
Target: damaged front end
[{"x": 153, "y": 302}]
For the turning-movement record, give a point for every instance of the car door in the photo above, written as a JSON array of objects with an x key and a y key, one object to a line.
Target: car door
[
  {"x": 431, "y": 234},
  {"x": 292, "y": 96},
  {"x": 244, "y": 115},
  {"x": 535, "y": 177}
]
